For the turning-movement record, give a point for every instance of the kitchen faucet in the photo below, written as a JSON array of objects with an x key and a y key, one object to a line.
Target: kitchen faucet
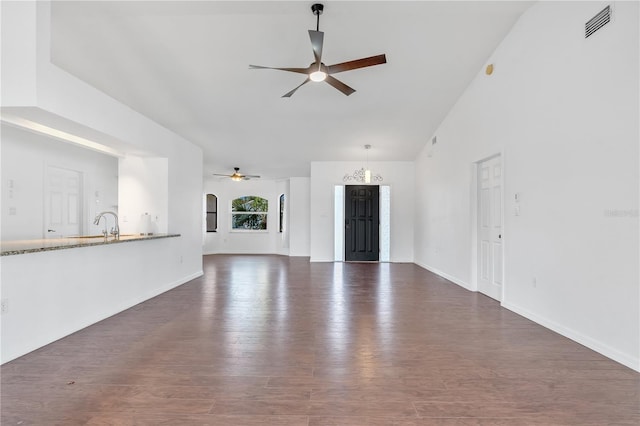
[{"x": 114, "y": 231}]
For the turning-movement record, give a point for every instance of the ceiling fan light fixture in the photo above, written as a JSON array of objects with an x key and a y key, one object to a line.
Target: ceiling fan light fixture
[
  {"x": 318, "y": 76},
  {"x": 317, "y": 71},
  {"x": 236, "y": 176}
]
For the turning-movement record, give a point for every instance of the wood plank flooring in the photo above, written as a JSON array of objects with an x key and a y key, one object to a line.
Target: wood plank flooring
[{"x": 272, "y": 340}]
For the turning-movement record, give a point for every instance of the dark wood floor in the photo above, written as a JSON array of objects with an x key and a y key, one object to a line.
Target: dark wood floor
[{"x": 271, "y": 340}]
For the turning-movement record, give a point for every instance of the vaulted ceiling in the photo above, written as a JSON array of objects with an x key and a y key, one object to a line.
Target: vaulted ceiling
[{"x": 185, "y": 65}]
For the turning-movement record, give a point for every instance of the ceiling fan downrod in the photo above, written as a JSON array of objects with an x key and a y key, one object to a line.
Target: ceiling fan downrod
[{"x": 317, "y": 10}]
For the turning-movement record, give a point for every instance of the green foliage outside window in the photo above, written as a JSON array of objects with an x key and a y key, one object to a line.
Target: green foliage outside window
[{"x": 249, "y": 212}]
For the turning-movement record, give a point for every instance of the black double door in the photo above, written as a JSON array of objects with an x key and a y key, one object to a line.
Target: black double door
[{"x": 362, "y": 223}]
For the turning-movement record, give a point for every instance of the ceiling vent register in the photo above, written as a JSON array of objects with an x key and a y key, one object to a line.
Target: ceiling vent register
[{"x": 600, "y": 20}]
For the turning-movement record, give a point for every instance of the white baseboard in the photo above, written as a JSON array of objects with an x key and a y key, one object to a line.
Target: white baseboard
[
  {"x": 142, "y": 298},
  {"x": 96, "y": 317},
  {"x": 614, "y": 354},
  {"x": 602, "y": 348},
  {"x": 451, "y": 278}
]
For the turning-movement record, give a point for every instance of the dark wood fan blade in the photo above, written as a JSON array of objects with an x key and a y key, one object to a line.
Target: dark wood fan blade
[
  {"x": 251, "y": 176},
  {"x": 317, "y": 39},
  {"x": 219, "y": 174},
  {"x": 358, "y": 63},
  {"x": 288, "y": 94},
  {"x": 339, "y": 85},
  {"x": 296, "y": 70}
]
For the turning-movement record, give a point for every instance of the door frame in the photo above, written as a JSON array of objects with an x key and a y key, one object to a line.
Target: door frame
[
  {"x": 376, "y": 227},
  {"x": 82, "y": 207},
  {"x": 338, "y": 223},
  {"x": 475, "y": 217}
]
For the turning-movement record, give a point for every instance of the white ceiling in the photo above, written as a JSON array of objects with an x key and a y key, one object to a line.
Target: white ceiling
[{"x": 185, "y": 65}]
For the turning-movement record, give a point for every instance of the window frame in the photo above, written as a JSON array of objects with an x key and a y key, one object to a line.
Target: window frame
[
  {"x": 281, "y": 201},
  {"x": 211, "y": 212},
  {"x": 264, "y": 213}
]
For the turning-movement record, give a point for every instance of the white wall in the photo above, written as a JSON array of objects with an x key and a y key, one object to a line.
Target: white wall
[
  {"x": 132, "y": 271},
  {"x": 25, "y": 156},
  {"x": 563, "y": 111},
  {"x": 18, "y": 54},
  {"x": 299, "y": 200},
  {"x": 326, "y": 174},
  {"x": 143, "y": 187},
  {"x": 283, "y": 238}
]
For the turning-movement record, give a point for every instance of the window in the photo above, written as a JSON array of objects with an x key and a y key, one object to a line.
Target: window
[
  {"x": 212, "y": 213},
  {"x": 281, "y": 218},
  {"x": 249, "y": 213}
]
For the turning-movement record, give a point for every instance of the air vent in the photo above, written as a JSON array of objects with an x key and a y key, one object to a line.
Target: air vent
[{"x": 600, "y": 20}]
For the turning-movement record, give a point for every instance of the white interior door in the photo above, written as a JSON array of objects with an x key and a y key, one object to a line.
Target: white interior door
[
  {"x": 490, "y": 227},
  {"x": 63, "y": 203}
]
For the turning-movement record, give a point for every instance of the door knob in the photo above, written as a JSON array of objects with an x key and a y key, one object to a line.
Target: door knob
[
  {"x": 51, "y": 230},
  {"x": 500, "y": 236}
]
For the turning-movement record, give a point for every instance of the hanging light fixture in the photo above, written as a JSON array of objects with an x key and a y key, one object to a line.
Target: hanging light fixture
[
  {"x": 363, "y": 175},
  {"x": 367, "y": 171}
]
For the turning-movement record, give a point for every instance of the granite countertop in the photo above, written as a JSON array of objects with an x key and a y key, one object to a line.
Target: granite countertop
[{"x": 34, "y": 246}]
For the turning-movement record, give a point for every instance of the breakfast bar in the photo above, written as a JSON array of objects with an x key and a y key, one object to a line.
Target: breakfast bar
[
  {"x": 54, "y": 287},
  {"x": 15, "y": 247}
]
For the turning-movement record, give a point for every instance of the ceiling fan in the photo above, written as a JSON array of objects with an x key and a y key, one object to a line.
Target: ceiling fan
[
  {"x": 318, "y": 71},
  {"x": 237, "y": 176}
]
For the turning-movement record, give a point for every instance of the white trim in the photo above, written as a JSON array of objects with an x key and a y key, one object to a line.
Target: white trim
[
  {"x": 602, "y": 348},
  {"x": 384, "y": 213},
  {"x": 473, "y": 226},
  {"x": 444, "y": 275},
  {"x": 475, "y": 217},
  {"x": 338, "y": 223},
  {"x": 84, "y": 197}
]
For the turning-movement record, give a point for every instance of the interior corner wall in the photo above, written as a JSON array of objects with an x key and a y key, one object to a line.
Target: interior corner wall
[
  {"x": 225, "y": 240},
  {"x": 325, "y": 175},
  {"x": 563, "y": 111}
]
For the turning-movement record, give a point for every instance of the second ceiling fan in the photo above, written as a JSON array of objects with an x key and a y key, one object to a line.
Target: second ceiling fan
[
  {"x": 318, "y": 71},
  {"x": 237, "y": 176}
]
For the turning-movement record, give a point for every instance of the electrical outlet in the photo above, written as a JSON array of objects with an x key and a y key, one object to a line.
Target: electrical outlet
[{"x": 4, "y": 306}]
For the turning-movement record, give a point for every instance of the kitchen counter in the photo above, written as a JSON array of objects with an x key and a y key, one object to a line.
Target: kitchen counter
[{"x": 10, "y": 248}]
